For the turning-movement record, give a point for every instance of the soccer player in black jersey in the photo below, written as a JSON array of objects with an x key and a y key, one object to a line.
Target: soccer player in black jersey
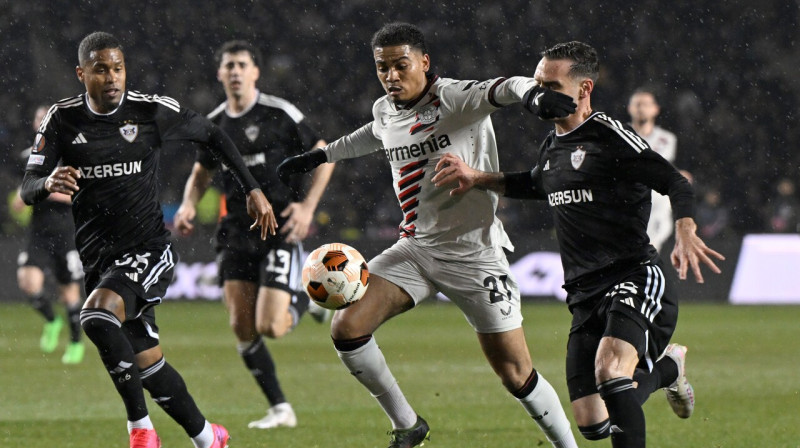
[
  {"x": 596, "y": 175},
  {"x": 259, "y": 277},
  {"x": 51, "y": 246},
  {"x": 107, "y": 142}
]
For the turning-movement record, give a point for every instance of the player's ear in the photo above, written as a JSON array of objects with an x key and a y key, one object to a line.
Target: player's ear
[
  {"x": 426, "y": 62},
  {"x": 79, "y": 73},
  {"x": 587, "y": 85}
]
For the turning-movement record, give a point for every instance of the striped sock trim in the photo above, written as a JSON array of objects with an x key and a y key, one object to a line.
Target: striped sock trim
[{"x": 99, "y": 313}]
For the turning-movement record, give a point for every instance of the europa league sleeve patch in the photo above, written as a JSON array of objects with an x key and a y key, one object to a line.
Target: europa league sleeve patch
[
  {"x": 38, "y": 144},
  {"x": 36, "y": 159}
]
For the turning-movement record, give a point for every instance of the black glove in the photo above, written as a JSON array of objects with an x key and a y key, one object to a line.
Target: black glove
[
  {"x": 300, "y": 164},
  {"x": 548, "y": 104}
]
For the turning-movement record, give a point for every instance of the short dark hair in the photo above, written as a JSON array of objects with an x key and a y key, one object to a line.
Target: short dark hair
[
  {"x": 584, "y": 57},
  {"x": 647, "y": 91},
  {"x": 399, "y": 33},
  {"x": 99, "y": 40},
  {"x": 235, "y": 46}
]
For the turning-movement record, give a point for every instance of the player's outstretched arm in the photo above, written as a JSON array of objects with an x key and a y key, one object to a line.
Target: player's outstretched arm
[
  {"x": 450, "y": 169},
  {"x": 690, "y": 251},
  {"x": 300, "y": 214},
  {"x": 196, "y": 186},
  {"x": 259, "y": 208},
  {"x": 302, "y": 163}
]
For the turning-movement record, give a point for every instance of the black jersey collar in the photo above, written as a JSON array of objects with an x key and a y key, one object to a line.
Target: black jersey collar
[
  {"x": 94, "y": 112},
  {"x": 589, "y": 118}
]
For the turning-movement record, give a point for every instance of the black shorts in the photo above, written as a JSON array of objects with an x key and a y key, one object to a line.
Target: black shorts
[
  {"x": 53, "y": 253},
  {"x": 142, "y": 332},
  {"x": 272, "y": 263},
  {"x": 642, "y": 309},
  {"x": 140, "y": 276}
]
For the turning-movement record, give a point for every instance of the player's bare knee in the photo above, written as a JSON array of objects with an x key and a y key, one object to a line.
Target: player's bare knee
[
  {"x": 244, "y": 331},
  {"x": 271, "y": 329}
]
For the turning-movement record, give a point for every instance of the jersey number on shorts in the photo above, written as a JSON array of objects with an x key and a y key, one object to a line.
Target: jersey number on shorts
[
  {"x": 278, "y": 263},
  {"x": 495, "y": 295}
]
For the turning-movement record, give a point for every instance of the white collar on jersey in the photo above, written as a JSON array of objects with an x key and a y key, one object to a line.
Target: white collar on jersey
[
  {"x": 246, "y": 109},
  {"x": 89, "y": 105}
]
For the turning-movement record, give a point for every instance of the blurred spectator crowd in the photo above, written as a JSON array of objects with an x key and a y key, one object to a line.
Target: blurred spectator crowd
[{"x": 724, "y": 73}]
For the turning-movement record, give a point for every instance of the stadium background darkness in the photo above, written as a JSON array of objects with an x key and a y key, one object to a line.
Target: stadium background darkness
[{"x": 725, "y": 73}]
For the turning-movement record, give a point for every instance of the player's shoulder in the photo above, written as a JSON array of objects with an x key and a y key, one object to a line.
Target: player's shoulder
[
  {"x": 615, "y": 134},
  {"x": 64, "y": 106},
  {"x": 664, "y": 133},
  {"x": 276, "y": 102},
  {"x": 139, "y": 99},
  {"x": 217, "y": 111}
]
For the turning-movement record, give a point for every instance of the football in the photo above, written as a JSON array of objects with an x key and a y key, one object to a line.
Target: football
[{"x": 335, "y": 276}]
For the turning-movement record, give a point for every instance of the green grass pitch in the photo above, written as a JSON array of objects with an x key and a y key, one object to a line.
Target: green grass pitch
[{"x": 743, "y": 363}]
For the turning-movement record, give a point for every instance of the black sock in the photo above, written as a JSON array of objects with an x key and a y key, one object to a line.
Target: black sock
[
  {"x": 664, "y": 373},
  {"x": 103, "y": 329},
  {"x": 74, "y": 318},
  {"x": 297, "y": 307},
  {"x": 168, "y": 390},
  {"x": 624, "y": 412},
  {"x": 257, "y": 358},
  {"x": 598, "y": 431},
  {"x": 41, "y": 304}
]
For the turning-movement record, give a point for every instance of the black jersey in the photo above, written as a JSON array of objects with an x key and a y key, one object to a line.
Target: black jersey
[
  {"x": 597, "y": 180},
  {"x": 266, "y": 133},
  {"x": 116, "y": 207}
]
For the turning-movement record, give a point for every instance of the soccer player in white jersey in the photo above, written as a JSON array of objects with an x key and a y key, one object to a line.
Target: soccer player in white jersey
[
  {"x": 447, "y": 244},
  {"x": 643, "y": 109}
]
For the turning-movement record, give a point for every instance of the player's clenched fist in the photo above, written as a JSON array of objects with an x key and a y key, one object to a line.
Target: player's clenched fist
[
  {"x": 300, "y": 164},
  {"x": 548, "y": 104},
  {"x": 63, "y": 179}
]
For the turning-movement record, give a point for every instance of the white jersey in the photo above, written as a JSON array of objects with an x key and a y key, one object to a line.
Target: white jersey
[
  {"x": 663, "y": 142},
  {"x": 660, "y": 225},
  {"x": 450, "y": 116}
]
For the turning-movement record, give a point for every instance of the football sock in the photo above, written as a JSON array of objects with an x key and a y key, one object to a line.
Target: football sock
[
  {"x": 142, "y": 423},
  {"x": 541, "y": 402},
  {"x": 206, "y": 437},
  {"x": 40, "y": 303},
  {"x": 598, "y": 431},
  {"x": 365, "y": 361},
  {"x": 257, "y": 358},
  {"x": 664, "y": 373},
  {"x": 74, "y": 318},
  {"x": 624, "y": 411},
  {"x": 103, "y": 328},
  {"x": 168, "y": 390},
  {"x": 297, "y": 307}
]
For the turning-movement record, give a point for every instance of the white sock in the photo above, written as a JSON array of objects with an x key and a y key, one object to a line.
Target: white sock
[
  {"x": 368, "y": 366},
  {"x": 206, "y": 437},
  {"x": 396, "y": 407},
  {"x": 142, "y": 423},
  {"x": 544, "y": 407}
]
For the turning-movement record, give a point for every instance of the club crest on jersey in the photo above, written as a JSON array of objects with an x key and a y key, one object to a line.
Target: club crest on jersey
[
  {"x": 251, "y": 132},
  {"x": 577, "y": 157},
  {"x": 129, "y": 132},
  {"x": 426, "y": 118}
]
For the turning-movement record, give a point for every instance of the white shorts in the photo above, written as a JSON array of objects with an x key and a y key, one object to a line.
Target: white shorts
[{"x": 481, "y": 285}]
